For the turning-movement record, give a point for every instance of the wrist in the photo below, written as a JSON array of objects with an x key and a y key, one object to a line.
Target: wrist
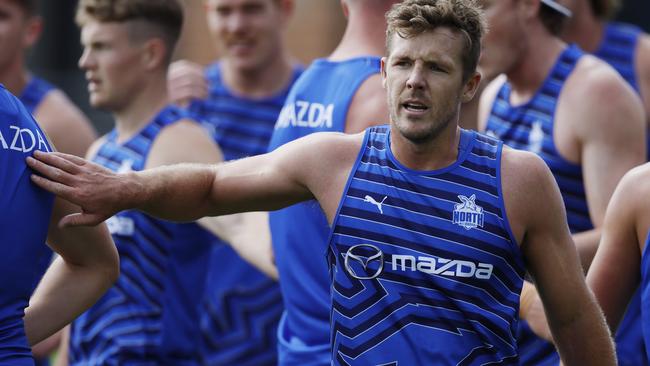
[{"x": 528, "y": 294}]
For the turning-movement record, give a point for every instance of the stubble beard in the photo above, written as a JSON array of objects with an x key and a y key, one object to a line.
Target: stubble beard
[{"x": 424, "y": 136}]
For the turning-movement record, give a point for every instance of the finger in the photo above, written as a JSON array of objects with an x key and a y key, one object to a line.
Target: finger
[
  {"x": 58, "y": 189},
  {"x": 71, "y": 158},
  {"x": 58, "y": 160},
  {"x": 81, "y": 219},
  {"x": 50, "y": 172}
]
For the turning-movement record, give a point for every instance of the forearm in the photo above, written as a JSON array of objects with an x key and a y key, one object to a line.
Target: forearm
[
  {"x": 249, "y": 235},
  {"x": 253, "y": 243},
  {"x": 178, "y": 192},
  {"x": 65, "y": 292},
  {"x": 585, "y": 338},
  {"x": 587, "y": 244}
]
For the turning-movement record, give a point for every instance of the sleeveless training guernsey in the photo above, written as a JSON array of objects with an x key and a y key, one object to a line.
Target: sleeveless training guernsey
[
  {"x": 242, "y": 307},
  {"x": 26, "y": 211},
  {"x": 530, "y": 127},
  {"x": 424, "y": 265},
  {"x": 319, "y": 101},
  {"x": 150, "y": 316}
]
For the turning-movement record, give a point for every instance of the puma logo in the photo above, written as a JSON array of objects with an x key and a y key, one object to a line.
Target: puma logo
[{"x": 378, "y": 204}]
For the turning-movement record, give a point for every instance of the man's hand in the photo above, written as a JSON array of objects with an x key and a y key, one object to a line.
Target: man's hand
[
  {"x": 98, "y": 191},
  {"x": 186, "y": 82}
]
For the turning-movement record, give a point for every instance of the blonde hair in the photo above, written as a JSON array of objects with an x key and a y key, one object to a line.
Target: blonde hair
[
  {"x": 414, "y": 17},
  {"x": 147, "y": 18}
]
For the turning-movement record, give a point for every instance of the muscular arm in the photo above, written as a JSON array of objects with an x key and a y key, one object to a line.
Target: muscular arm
[
  {"x": 65, "y": 124},
  {"x": 86, "y": 267},
  {"x": 247, "y": 233},
  {"x": 314, "y": 166},
  {"x": 615, "y": 272},
  {"x": 607, "y": 121},
  {"x": 535, "y": 209},
  {"x": 643, "y": 72},
  {"x": 368, "y": 107}
]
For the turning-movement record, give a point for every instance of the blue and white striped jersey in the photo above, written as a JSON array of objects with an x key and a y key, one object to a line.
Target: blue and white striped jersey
[
  {"x": 150, "y": 316},
  {"x": 424, "y": 265}
]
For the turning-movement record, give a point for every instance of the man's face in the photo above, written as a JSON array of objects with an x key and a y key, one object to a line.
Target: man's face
[
  {"x": 505, "y": 41},
  {"x": 423, "y": 76},
  {"x": 112, "y": 63},
  {"x": 14, "y": 28},
  {"x": 248, "y": 32}
]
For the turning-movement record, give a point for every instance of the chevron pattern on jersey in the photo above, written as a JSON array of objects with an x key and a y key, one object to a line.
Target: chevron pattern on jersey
[
  {"x": 241, "y": 327},
  {"x": 424, "y": 267},
  {"x": 125, "y": 326},
  {"x": 530, "y": 127}
]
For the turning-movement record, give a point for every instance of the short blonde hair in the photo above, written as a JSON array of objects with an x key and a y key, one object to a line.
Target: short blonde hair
[
  {"x": 414, "y": 17},
  {"x": 150, "y": 18}
]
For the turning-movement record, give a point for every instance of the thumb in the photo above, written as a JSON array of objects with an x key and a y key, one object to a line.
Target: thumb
[{"x": 81, "y": 219}]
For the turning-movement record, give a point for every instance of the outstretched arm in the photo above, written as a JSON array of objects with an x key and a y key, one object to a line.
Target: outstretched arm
[
  {"x": 86, "y": 267},
  {"x": 297, "y": 171},
  {"x": 536, "y": 213}
]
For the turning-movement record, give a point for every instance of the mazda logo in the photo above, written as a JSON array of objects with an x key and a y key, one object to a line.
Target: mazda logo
[{"x": 364, "y": 254}]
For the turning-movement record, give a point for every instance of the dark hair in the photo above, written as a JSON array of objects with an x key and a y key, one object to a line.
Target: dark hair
[
  {"x": 414, "y": 17},
  {"x": 605, "y": 9},
  {"x": 148, "y": 18}
]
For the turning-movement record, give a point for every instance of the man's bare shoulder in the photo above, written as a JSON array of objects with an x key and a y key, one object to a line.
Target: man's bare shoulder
[
  {"x": 522, "y": 169},
  {"x": 56, "y": 107},
  {"x": 185, "y": 141},
  {"x": 528, "y": 189},
  {"x": 65, "y": 123},
  {"x": 595, "y": 81},
  {"x": 369, "y": 106},
  {"x": 595, "y": 95},
  {"x": 633, "y": 187}
]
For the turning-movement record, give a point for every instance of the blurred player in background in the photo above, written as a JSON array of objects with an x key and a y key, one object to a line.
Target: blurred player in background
[
  {"x": 65, "y": 124},
  {"x": 239, "y": 98},
  {"x": 624, "y": 46},
  {"x": 87, "y": 264},
  {"x": 340, "y": 93},
  {"x": 571, "y": 109},
  {"x": 150, "y": 316}
]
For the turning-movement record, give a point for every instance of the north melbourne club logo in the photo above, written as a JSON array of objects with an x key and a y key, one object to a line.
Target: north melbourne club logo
[{"x": 468, "y": 214}]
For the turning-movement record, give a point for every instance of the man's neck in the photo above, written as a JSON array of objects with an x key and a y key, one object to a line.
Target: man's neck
[
  {"x": 141, "y": 109},
  {"x": 364, "y": 35},
  {"x": 15, "y": 77},
  {"x": 537, "y": 62},
  {"x": 438, "y": 153},
  {"x": 584, "y": 28},
  {"x": 266, "y": 81}
]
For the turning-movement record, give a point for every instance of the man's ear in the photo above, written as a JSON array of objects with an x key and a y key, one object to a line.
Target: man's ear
[
  {"x": 154, "y": 53},
  {"x": 383, "y": 71},
  {"x": 33, "y": 30},
  {"x": 471, "y": 86}
]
